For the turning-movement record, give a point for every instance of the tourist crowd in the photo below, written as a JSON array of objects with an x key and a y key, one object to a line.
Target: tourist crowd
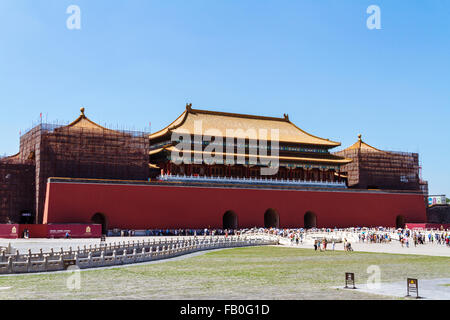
[{"x": 297, "y": 236}]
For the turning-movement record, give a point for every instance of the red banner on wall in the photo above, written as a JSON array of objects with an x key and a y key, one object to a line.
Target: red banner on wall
[
  {"x": 9, "y": 231},
  {"x": 438, "y": 226},
  {"x": 14, "y": 231},
  {"x": 74, "y": 230}
]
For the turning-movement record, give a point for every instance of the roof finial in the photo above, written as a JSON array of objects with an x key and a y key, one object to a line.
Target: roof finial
[
  {"x": 82, "y": 111},
  {"x": 359, "y": 137},
  {"x": 286, "y": 116},
  {"x": 188, "y": 106}
]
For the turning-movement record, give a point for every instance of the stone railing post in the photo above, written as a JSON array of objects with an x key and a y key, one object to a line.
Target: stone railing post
[
  {"x": 28, "y": 263},
  {"x": 90, "y": 259},
  {"x": 17, "y": 255},
  {"x": 10, "y": 265}
]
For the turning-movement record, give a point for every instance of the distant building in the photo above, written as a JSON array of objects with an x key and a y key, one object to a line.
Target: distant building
[
  {"x": 81, "y": 149},
  {"x": 85, "y": 173},
  {"x": 372, "y": 168},
  {"x": 300, "y": 155},
  {"x": 437, "y": 200}
]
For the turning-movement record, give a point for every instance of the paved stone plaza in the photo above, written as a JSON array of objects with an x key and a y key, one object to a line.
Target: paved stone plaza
[
  {"x": 430, "y": 249},
  {"x": 434, "y": 289}
]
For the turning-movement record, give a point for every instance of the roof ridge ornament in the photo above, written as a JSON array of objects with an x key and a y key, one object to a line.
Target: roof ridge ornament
[
  {"x": 188, "y": 106},
  {"x": 82, "y": 111},
  {"x": 286, "y": 116},
  {"x": 359, "y": 137}
]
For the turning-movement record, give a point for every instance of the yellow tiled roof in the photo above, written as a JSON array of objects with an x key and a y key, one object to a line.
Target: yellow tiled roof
[
  {"x": 361, "y": 145},
  {"x": 83, "y": 122},
  {"x": 213, "y": 123}
]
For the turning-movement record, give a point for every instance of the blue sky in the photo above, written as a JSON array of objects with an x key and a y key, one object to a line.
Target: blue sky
[{"x": 140, "y": 61}]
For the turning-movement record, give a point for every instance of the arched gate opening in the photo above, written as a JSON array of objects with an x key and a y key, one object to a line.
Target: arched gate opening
[
  {"x": 230, "y": 220},
  {"x": 271, "y": 219},
  {"x": 99, "y": 218},
  {"x": 310, "y": 220}
]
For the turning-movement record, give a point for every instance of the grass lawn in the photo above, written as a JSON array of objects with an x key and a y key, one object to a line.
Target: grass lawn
[{"x": 241, "y": 273}]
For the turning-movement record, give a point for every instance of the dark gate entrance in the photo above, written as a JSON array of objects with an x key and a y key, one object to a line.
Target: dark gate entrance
[
  {"x": 99, "y": 218},
  {"x": 271, "y": 219},
  {"x": 230, "y": 220},
  {"x": 310, "y": 220},
  {"x": 400, "y": 222}
]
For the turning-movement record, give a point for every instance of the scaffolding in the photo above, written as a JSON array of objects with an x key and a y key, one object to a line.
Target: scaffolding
[
  {"x": 16, "y": 186},
  {"x": 382, "y": 169},
  {"x": 74, "y": 152}
]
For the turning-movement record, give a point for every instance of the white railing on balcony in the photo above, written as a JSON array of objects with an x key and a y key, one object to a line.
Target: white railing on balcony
[{"x": 253, "y": 180}]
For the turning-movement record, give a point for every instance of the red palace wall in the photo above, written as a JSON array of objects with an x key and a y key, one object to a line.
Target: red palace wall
[{"x": 161, "y": 206}]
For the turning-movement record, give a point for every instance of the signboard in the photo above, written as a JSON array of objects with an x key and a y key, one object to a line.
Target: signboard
[
  {"x": 436, "y": 200},
  {"x": 74, "y": 230},
  {"x": 349, "y": 280},
  {"x": 412, "y": 287},
  {"x": 9, "y": 231}
]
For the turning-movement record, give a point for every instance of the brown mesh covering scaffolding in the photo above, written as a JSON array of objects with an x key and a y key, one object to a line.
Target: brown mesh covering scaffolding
[
  {"x": 82, "y": 150},
  {"x": 377, "y": 169},
  {"x": 16, "y": 186}
]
